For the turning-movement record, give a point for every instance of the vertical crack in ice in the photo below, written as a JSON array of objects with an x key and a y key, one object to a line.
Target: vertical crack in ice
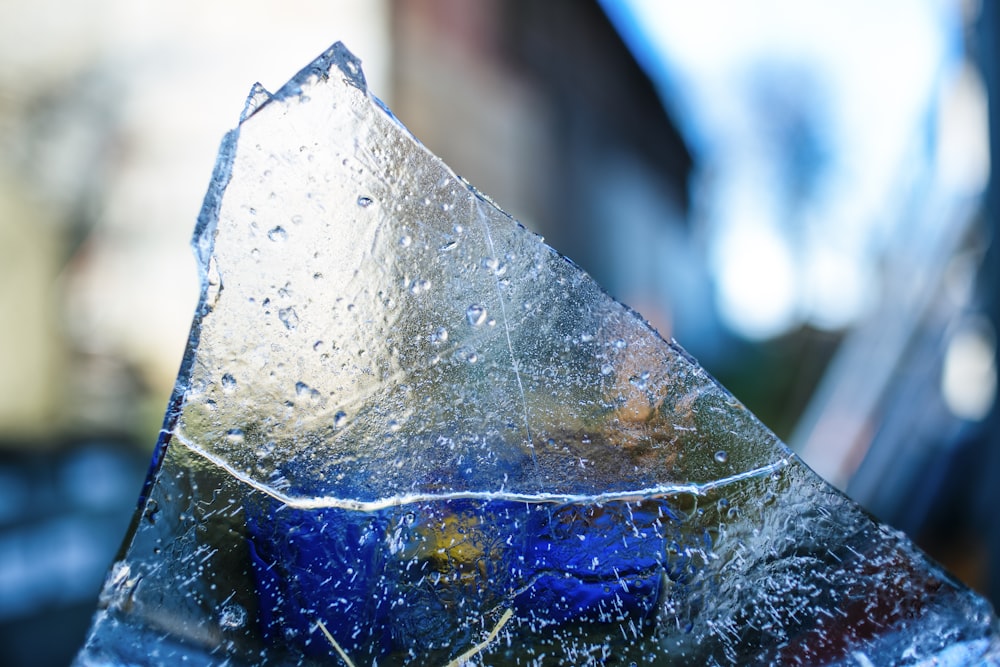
[{"x": 506, "y": 330}]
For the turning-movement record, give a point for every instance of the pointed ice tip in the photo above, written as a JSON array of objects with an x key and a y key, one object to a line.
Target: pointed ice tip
[
  {"x": 337, "y": 56},
  {"x": 258, "y": 97},
  {"x": 348, "y": 63}
]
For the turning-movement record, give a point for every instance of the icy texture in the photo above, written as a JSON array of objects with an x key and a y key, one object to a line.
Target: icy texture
[{"x": 408, "y": 432}]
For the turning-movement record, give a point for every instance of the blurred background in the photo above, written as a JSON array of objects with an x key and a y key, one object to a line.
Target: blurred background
[{"x": 798, "y": 191}]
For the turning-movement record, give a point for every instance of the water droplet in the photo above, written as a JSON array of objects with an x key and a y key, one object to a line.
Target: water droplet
[
  {"x": 476, "y": 315},
  {"x": 394, "y": 425},
  {"x": 303, "y": 390},
  {"x": 234, "y": 435},
  {"x": 620, "y": 344},
  {"x": 364, "y": 202},
  {"x": 233, "y": 616},
  {"x": 151, "y": 511},
  {"x": 405, "y": 240},
  {"x": 289, "y": 318},
  {"x": 228, "y": 382},
  {"x": 419, "y": 285},
  {"x": 721, "y": 456},
  {"x": 459, "y": 229},
  {"x": 277, "y": 234},
  {"x": 439, "y": 335},
  {"x": 466, "y": 354},
  {"x": 340, "y": 419}
]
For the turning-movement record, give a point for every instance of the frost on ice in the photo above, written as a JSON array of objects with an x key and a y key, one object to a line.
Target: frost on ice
[{"x": 408, "y": 432}]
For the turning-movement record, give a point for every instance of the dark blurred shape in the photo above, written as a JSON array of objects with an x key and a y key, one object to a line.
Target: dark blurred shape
[
  {"x": 605, "y": 103},
  {"x": 62, "y": 517},
  {"x": 618, "y": 153},
  {"x": 542, "y": 106},
  {"x": 987, "y": 458}
]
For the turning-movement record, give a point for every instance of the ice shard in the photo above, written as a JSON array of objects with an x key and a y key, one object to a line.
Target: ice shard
[{"x": 407, "y": 432}]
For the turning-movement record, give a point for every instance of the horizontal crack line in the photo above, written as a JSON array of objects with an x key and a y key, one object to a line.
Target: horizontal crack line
[{"x": 326, "y": 502}]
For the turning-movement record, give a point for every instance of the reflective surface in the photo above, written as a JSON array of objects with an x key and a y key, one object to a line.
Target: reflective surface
[{"x": 408, "y": 432}]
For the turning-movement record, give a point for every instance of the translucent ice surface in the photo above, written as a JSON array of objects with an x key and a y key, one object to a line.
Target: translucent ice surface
[{"x": 407, "y": 432}]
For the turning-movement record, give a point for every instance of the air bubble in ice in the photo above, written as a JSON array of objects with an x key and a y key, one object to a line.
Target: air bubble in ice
[
  {"x": 475, "y": 314},
  {"x": 439, "y": 335},
  {"x": 233, "y": 616},
  {"x": 289, "y": 318},
  {"x": 277, "y": 234},
  {"x": 364, "y": 202},
  {"x": 340, "y": 419},
  {"x": 721, "y": 456},
  {"x": 228, "y": 382},
  {"x": 640, "y": 381}
]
